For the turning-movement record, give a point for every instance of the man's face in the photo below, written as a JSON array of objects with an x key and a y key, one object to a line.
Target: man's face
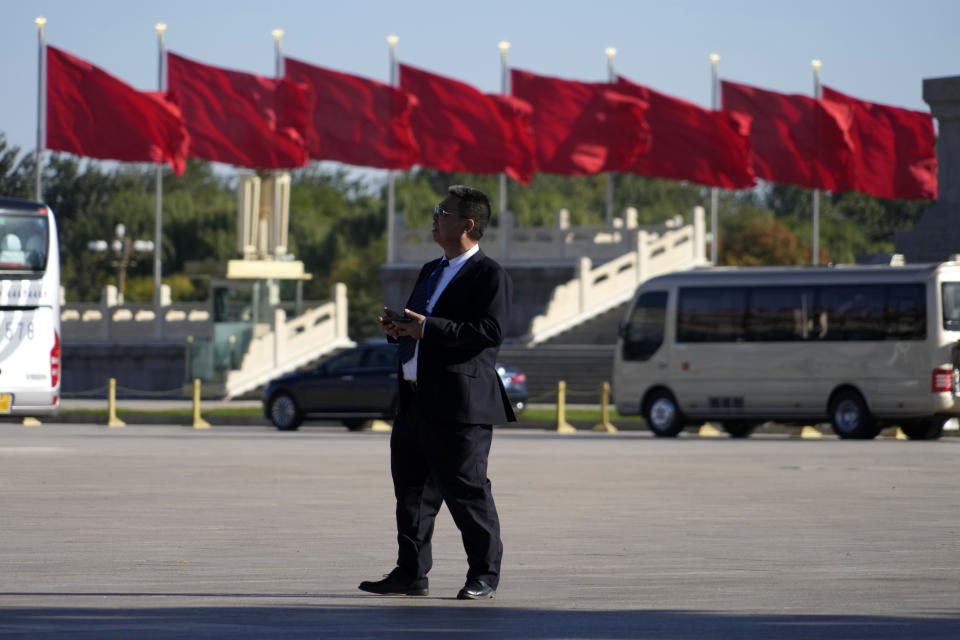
[{"x": 449, "y": 226}]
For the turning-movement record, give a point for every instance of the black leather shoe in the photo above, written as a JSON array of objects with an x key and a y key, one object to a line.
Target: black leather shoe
[
  {"x": 395, "y": 584},
  {"x": 476, "y": 590}
]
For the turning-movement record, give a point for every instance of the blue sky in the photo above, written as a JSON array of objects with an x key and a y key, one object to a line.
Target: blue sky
[{"x": 879, "y": 50}]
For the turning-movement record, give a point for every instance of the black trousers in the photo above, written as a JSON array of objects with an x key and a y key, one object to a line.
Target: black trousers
[{"x": 436, "y": 463}]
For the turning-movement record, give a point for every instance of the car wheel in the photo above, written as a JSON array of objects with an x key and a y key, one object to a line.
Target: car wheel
[
  {"x": 662, "y": 415},
  {"x": 739, "y": 428},
  {"x": 357, "y": 424},
  {"x": 929, "y": 429},
  {"x": 850, "y": 417},
  {"x": 284, "y": 412}
]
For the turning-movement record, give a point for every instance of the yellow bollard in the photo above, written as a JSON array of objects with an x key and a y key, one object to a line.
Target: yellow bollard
[
  {"x": 605, "y": 425},
  {"x": 380, "y": 425},
  {"x": 562, "y": 425},
  {"x": 707, "y": 430},
  {"x": 30, "y": 421},
  {"x": 112, "y": 419},
  {"x": 806, "y": 432},
  {"x": 893, "y": 432},
  {"x": 198, "y": 422}
]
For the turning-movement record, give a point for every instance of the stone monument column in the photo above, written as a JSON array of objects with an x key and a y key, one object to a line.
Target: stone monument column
[{"x": 936, "y": 236}]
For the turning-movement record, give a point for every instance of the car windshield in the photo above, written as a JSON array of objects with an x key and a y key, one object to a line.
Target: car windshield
[
  {"x": 951, "y": 306},
  {"x": 23, "y": 242}
]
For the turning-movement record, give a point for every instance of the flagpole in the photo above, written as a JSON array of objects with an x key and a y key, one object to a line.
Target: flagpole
[
  {"x": 714, "y": 192},
  {"x": 504, "y": 46},
  {"x": 611, "y": 77},
  {"x": 158, "y": 218},
  {"x": 41, "y": 106},
  {"x": 391, "y": 183},
  {"x": 815, "y": 252}
]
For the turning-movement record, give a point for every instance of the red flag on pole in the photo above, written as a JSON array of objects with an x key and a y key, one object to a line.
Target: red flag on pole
[
  {"x": 582, "y": 128},
  {"x": 894, "y": 154},
  {"x": 355, "y": 120},
  {"x": 459, "y": 128},
  {"x": 796, "y": 139},
  {"x": 240, "y": 118},
  {"x": 92, "y": 113},
  {"x": 688, "y": 142}
]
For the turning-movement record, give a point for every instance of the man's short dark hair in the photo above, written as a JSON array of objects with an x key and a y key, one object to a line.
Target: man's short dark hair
[{"x": 474, "y": 204}]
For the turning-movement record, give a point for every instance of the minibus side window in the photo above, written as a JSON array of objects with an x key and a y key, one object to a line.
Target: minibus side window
[
  {"x": 850, "y": 313},
  {"x": 950, "y": 292},
  {"x": 779, "y": 314},
  {"x": 711, "y": 314},
  {"x": 643, "y": 334},
  {"x": 906, "y": 312}
]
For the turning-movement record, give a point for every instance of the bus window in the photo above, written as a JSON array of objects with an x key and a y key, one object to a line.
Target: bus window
[
  {"x": 951, "y": 306},
  {"x": 23, "y": 242},
  {"x": 778, "y": 313},
  {"x": 643, "y": 334},
  {"x": 852, "y": 313},
  {"x": 906, "y": 312},
  {"x": 711, "y": 314}
]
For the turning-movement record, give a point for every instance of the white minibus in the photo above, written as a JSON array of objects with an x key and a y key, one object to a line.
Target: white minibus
[
  {"x": 862, "y": 347},
  {"x": 29, "y": 309}
]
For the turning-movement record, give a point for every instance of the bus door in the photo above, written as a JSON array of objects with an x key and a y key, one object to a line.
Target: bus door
[{"x": 641, "y": 361}]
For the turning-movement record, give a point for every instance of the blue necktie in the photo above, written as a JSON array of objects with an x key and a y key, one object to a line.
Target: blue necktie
[{"x": 418, "y": 303}]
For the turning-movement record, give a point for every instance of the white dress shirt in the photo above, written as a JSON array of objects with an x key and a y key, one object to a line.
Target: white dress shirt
[{"x": 410, "y": 366}]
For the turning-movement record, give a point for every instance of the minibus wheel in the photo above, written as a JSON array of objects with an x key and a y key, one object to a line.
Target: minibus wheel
[
  {"x": 850, "y": 417},
  {"x": 739, "y": 428},
  {"x": 928, "y": 429},
  {"x": 662, "y": 415}
]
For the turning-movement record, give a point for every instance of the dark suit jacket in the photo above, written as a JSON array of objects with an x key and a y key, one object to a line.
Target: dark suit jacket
[{"x": 457, "y": 380}]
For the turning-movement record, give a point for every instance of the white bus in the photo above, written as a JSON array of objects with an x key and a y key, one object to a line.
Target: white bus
[
  {"x": 862, "y": 347},
  {"x": 29, "y": 309}
]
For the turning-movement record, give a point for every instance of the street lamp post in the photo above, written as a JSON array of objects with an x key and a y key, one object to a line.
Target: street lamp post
[
  {"x": 504, "y": 46},
  {"x": 714, "y": 192},
  {"x": 815, "y": 243},
  {"x": 122, "y": 254},
  {"x": 391, "y": 179},
  {"x": 611, "y": 77},
  {"x": 158, "y": 200}
]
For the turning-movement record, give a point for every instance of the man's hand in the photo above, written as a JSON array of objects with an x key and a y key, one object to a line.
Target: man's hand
[
  {"x": 389, "y": 321},
  {"x": 410, "y": 325}
]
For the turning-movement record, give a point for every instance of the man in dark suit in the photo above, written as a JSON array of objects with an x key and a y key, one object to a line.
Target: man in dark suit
[{"x": 450, "y": 396}]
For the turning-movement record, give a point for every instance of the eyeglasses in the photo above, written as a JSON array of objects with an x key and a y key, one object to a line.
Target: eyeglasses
[{"x": 439, "y": 211}]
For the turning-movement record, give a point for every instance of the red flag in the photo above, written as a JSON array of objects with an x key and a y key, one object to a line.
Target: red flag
[
  {"x": 355, "y": 120},
  {"x": 461, "y": 129},
  {"x": 688, "y": 142},
  {"x": 92, "y": 113},
  {"x": 796, "y": 139},
  {"x": 240, "y": 118},
  {"x": 894, "y": 154},
  {"x": 582, "y": 128}
]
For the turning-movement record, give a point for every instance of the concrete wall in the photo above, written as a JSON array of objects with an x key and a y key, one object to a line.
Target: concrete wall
[{"x": 141, "y": 367}]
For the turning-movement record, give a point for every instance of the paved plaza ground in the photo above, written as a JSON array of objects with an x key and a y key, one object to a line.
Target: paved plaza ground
[{"x": 246, "y": 532}]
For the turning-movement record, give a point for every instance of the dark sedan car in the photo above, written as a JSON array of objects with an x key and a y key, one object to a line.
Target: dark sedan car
[{"x": 355, "y": 386}]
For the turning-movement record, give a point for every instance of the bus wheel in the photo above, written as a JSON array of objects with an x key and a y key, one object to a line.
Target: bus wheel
[
  {"x": 929, "y": 429},
  {"x": 850, "y": 417},
  {"x": 662, "y": 415},
  {"x": 739, "y": 428}
]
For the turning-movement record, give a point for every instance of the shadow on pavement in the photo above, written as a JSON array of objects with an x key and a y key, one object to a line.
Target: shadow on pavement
[{"x": 423, "y": 619}]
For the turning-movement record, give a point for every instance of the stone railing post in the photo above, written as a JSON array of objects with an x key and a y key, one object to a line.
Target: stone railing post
[
  {"x": 630, "y": 217},
  {"x": 506, "y": 230},
  {"x": 584, "y": 266},
  {"x": 643, "y": 255},
  {"x": 699, "y": 236},
  {"x": 279, "y": 335},
  {"x": 339, "y": 295}
]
